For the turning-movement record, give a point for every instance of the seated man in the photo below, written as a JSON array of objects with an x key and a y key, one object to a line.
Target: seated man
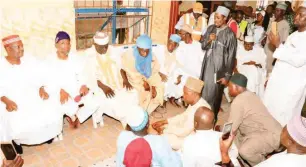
[
  {"x": 293, "y": 137},
  {"x": 180, "y": 126},
  {"x": 135, "y": 147},
  {"x": 23, "y": 107},
  {"x": 168, "y": 70},
  {"x": 190, "y": 54},
  {"x": 64, "y": 84},
  {"x": 102, "y": 74},
  {"x": 257, "y": 132},
  {"x": 203, "y": 146},
  {"x": 251, "y": 62},
  {"x": 140, "y": 70}
]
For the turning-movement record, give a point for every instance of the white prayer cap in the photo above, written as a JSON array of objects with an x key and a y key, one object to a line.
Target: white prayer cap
[
  {"x": 296, "y": 128},
  {"x": 223, "y": 10},
  {"x": 137, "y": 118},
  {"x": 282, "y": 5},
  {"x": 263, "y": 13},
  {"x": 101, "y": 38},
  {"x": 249, "y": 39}
]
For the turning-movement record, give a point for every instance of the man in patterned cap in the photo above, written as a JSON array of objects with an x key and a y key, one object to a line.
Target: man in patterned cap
[
  {"x": 102, "y": 75},
  {"x": 220, "y": 46},
  {"x": 257, "y": 132},
  {"x": 140, "y": 69},
  {"x": 135, "y": 147},
  {"x": 177, "y": 128},
  {"x": 23, "y": 97}
]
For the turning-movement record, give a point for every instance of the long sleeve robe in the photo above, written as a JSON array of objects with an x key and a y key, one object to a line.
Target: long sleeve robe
[
  {"x": 136, "y": 80},
  {"x": 35, "y": 121},
  {"x": 182, "y": 125},
  {"x": 106, "y": 68},
  {"x": 219, "y": 57},
  {"x": 286, "y": 89},
  {"x": 256, "y": 76}
]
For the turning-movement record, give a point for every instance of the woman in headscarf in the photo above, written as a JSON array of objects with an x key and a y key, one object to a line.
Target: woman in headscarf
[{"x": 140, "y": 69}]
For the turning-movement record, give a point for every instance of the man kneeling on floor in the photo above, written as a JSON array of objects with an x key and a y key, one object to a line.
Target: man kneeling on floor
[
  {"x": 257, "y": 132},
  {"x": 135, "y": 147},
  {"x": 182, "y": 125}
]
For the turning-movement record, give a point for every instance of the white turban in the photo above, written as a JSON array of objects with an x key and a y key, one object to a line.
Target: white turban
[
  {"x": 101, "y": 38},
  {"x": 249, "y": 39}
]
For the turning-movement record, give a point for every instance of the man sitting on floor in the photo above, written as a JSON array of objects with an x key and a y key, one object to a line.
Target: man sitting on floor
[
  {"x": 203, "y": 148},
  {"x": 180, "y": 126},
  {"x": 135, "y": 147},
  {"x": 140, "y": 69},
  {"x": 102, "y": 73}
]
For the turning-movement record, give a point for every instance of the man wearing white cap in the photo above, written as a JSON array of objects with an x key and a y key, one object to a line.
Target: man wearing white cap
[
  {"x": 251, "y": 62},
  {"x": 140, "y": 70},
  {"x": 195, "y": 20},
  {"x": 293, "y": 138},
  {"x": 102, "y": 74},
  {"x": 283, "y": 30},
  {"x": 135, "y": 147},
  {"x": 285, "y": 92},
  {"x": 220, "y": 46},
  {"x": 23, "y": 106},
  {"x": 189, "y": 54},
  {"x": 177, "y": 128}
]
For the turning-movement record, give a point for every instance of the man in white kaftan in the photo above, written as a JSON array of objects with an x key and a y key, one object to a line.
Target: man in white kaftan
[
  {"x": 170, "y": 68},
  {"x": 251, "y": 62},
  {"x": 286, "y": 88},
  {"x": 28, "y": 118},
  {"x": 189, "y": 54},
  {"x": 67, "y": 89},
  {"x": 102, "y": 73}
]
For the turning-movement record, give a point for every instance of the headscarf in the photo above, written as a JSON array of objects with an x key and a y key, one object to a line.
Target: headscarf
[{"x": 143, "y": 64}]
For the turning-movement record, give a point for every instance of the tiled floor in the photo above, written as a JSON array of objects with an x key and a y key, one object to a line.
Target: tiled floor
[{"x": 86, "y": 146}]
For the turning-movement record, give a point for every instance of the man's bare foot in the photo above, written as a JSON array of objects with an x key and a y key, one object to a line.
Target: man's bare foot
[
  {"x": 173, "y": 101},
  {"x": 73, "y": 124}
]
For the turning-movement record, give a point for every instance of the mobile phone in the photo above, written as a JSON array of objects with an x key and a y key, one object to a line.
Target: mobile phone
[
  {"x": 274, "y": 28},
  {"x": 226, "y": 132},
  {"x": 8, "y": 151}
]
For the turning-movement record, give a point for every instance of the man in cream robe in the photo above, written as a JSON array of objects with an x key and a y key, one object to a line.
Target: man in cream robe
[
  {"x": 28, "y": 118},
  {"x": 177, "y": 128},
  {"x": 102, "y": 73},
  {"x": 141, "y": 71},
  {"x": 66, "y": 87},
  {"x": 251, "y": 62}
]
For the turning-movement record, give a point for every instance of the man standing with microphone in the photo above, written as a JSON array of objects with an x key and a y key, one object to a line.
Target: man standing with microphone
[{"x": 220, "y": 44}]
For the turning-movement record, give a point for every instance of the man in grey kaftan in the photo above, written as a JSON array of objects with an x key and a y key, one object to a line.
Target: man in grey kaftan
[{"x": 219, "y": 59}]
